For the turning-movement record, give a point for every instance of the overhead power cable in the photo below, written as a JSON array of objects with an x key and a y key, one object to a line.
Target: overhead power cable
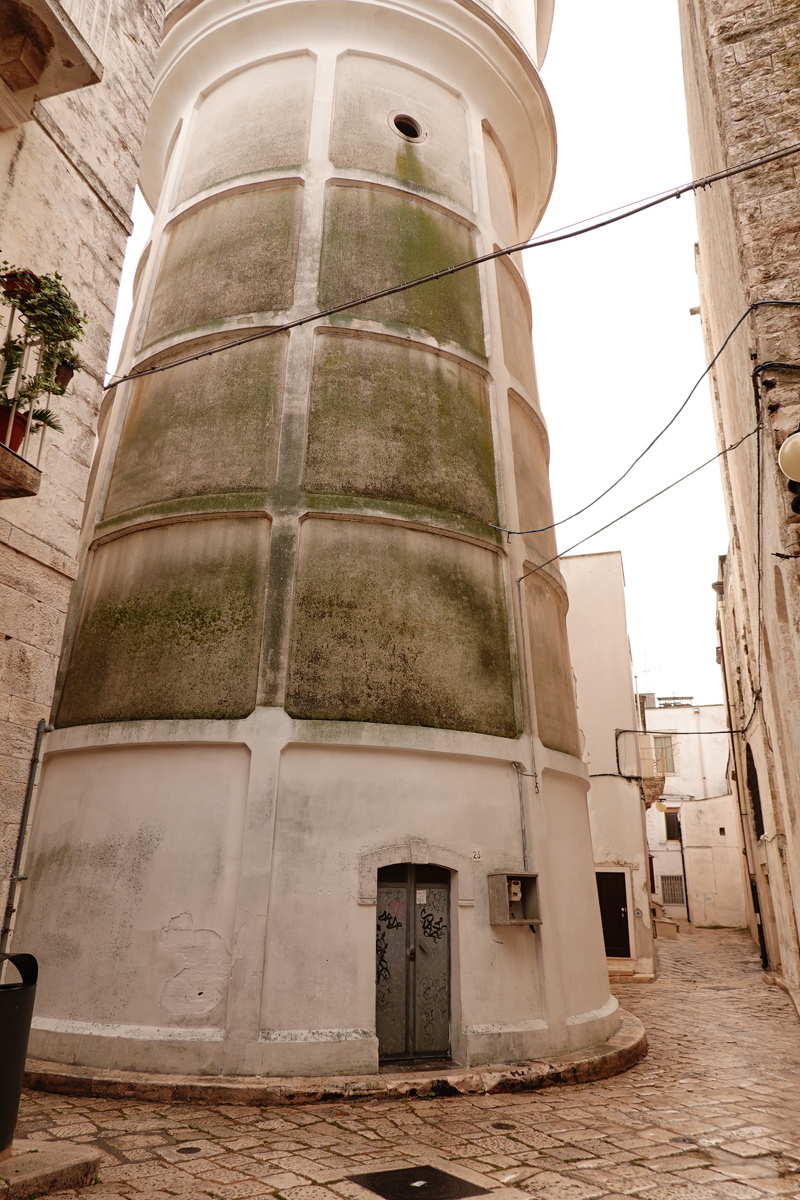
[
  {"x": 641, "y": 504},
  {"x": 756, "y": 304},
  {"x": 679, "y": 732},
  {"x": 550, "y": 239},
  {"x": 541, "y": 567}
]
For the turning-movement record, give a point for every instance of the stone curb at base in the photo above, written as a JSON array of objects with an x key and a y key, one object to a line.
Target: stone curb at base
[
  {"x": 35, "y": 1168},
  {"x": 620, "y": 1052}
]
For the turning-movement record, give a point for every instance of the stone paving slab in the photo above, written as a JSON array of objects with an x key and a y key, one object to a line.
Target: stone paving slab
[
  {"x": 36, "y": 1168},
  {"x": 712, "y": 1113},
  {"x": 617, "y": 1054}
]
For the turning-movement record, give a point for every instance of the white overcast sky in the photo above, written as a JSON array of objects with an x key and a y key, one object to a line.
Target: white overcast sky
[{"x": 616, "y": 349}]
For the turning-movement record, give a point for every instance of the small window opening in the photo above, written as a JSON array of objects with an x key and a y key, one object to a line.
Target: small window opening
[
  {"x": 673, "y": 824},
  {"x": 408, "y": 127},
  {"x": 672, "y": 889},
  {"x": 664, "y": 754},
  {"x": 722, "y": 831}
]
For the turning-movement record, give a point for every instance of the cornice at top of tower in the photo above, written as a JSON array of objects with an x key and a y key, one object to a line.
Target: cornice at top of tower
[
  {"x": 529, "y": 21},
  {"x": 462, "y": 43}
]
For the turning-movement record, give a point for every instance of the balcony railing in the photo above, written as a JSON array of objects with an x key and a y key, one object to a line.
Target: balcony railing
[
  {"x": 21, "y": 436},
  {"x": 93, "y": 19}
]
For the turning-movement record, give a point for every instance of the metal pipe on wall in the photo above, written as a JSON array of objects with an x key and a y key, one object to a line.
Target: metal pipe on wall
[{"x": 16, "y": 878}]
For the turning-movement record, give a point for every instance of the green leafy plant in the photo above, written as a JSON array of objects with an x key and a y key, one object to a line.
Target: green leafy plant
[{"x": 53, "y": 323}]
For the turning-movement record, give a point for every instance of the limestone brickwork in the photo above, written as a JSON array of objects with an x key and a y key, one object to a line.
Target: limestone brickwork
[
  {"x": 66, "y": 186},
  {"x": 742, "y": 73}
]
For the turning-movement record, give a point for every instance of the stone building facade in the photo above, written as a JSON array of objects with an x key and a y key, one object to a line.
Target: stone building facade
[
  {"x": 742, "y": 74},
  {"x": 73, "y": 104},
  {"x": 315, "y": 793},
  {"x": 694, "y": 831}
]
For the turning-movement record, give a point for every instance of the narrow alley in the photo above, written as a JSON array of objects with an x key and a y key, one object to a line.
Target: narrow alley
[{"x": 712, "y": 1111}]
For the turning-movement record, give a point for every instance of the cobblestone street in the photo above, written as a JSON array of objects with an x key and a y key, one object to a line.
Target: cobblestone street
[{"x": 712, "y": 1111}]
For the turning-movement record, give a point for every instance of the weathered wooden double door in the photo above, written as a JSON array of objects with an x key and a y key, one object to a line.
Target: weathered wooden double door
[{"x": 413, "y": 962}]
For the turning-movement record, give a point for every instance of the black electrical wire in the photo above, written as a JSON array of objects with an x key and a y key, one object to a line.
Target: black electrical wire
[
  {"x": 641, "y": 504},
  {"x": 541, "y": 567},
  {"x": 534, "y": 243},
  {"x": 679, "y": 732},
  {"x": 670, "y": 422},
  {"x": 756, "y": 702}
]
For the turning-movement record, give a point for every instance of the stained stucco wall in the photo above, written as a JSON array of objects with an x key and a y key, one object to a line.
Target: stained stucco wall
[{"x": 289, "y": 548}]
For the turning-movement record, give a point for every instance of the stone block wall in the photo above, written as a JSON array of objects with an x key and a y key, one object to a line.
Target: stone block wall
[
  {"x": 66, "y": 187},
  {"x": 742, "y": 74}
]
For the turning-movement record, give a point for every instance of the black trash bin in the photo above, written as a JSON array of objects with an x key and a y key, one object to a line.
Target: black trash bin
[{"x": 16, "y": 1010}]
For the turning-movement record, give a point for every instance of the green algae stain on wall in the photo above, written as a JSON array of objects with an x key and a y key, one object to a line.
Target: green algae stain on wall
[
  {"x": 554, "y": 689},
  {"x": 170, "y": 626},
  {"x": 398, "y": 626},
  {"x": 397, "y": 422},
  {"x": 531, "y": 476},
  {"x": 375, "y": 239},
  {"x": 202, "y": 428},
  {"x": 371, "y": 93},
  {"x": 235, "y": 254},
  {"x": 407, "y": 164}
]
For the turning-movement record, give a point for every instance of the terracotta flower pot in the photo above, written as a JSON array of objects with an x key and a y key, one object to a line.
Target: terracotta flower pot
[
  {"x": 17, "y": 429},
  {"x": 19, "y": 285},
  {"x": 63, "y": 375}
]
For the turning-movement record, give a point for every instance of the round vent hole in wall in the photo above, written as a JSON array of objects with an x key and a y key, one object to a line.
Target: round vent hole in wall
[{"x": 408, "y": 127}]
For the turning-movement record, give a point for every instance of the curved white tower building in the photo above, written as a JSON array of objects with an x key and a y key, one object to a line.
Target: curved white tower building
[{"x": 295, "y": 683}]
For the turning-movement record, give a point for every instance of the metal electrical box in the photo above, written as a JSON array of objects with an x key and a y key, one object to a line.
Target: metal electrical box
[{"x": 514, "y": 899}]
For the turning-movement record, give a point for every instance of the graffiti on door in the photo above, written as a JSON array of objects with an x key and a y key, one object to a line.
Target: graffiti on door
[{"x": 412, "y": 1007}]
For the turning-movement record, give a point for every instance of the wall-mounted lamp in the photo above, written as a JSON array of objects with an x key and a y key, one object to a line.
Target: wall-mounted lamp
[
  {"x": 789, "y": 457},
  {"x": 789, "y": 463}
]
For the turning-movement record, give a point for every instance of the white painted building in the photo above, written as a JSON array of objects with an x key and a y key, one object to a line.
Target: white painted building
[
  {"x": 601, "y": 659},
  {"x": 695, "y": 832},
  {"x": 310, "y": 698}
]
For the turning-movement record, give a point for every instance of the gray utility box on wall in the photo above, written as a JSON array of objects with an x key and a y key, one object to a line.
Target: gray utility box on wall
[{"x": 514, "y": 899}]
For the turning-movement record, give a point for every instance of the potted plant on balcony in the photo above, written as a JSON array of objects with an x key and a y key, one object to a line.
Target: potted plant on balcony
[
  {"x": 19, "y": 285},
  {"x": 38, "y": 356}
]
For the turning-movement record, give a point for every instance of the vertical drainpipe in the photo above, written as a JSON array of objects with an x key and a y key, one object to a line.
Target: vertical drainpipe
[
  {"x": 683, "y": 864},
  {"x": 16, "y": 878},
  {"x": 522, "y": 832},
  {"x": 702, "y": 759}
]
